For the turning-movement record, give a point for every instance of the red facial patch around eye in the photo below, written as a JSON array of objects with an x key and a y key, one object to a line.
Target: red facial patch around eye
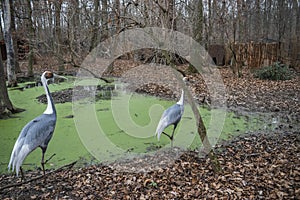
[{"x": 49, "y": 74}]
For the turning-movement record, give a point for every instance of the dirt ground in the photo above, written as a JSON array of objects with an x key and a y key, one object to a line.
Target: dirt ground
[{"x": 260, "y": 165}]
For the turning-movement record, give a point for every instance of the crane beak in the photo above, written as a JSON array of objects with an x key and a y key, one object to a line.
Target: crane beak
[{"x": 55, "y": 76}]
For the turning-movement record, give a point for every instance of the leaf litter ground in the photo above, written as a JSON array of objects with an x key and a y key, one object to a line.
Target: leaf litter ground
[
  {"x": 260, "y": 165},
  {"x": 254, "y": 166}
]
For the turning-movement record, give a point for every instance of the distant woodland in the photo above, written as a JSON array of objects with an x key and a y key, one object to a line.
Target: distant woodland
[{"x": 67, "y": 30}]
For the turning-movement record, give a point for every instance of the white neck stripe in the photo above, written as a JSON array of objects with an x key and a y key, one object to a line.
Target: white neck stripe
[{"x": 49, "y": 109}]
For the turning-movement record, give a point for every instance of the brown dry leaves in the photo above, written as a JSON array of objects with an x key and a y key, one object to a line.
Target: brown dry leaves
[
  {"x": 255, "y": 166},
  {"x": 248, "y": 93},
  {"x": 262, "y": 95}
]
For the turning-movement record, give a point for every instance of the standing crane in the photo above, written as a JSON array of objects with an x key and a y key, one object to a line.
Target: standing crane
[
  {"x": 171, "y": 116},
  {"x": 38, "y": 132}
]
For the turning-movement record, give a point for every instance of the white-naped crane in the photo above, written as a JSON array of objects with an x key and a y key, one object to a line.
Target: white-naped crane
[
  {"x": 171, "y": 116},
  {"x": 38, "y": 132}
]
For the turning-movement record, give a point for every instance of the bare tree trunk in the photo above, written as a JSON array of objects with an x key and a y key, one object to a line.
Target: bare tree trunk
[
  {"x": 13, "y": 30},
  {"x": 146, "y": 12},
  {"x": 58, "y": 36},
  {"x": 74, "y": 28},
  {"x": 117, "y": 15},
  {"x": 76, "y": 21},
  {"x": 257, "y": 21},
  {"x": 31, "y": 38},
  {"x": 265, "y": 23},
  {"x": 166, "y": 13},
  {"x": 209, "y": 32},
  {"x": 50, "y": 24},
  {"x": 6, "y": 107},
  {"x": 244, "y": 26},
  {"x": 11, "y": 74},
  {"x": 5, "y": 104},
  {"x": 223, "y": 22},
  {"x": 201, "y": 129},
  {"x": 297, "y": 49},
  {"x": 280, "y": 21},
  {"x": 214, "y": 20},
  {"x": 57, "y": 26},
  {"x": 198, "y": 22},
  {"x": 95, "y": 28},
  {"x": 297, "y": 22},
  {"x": 197, "y": 27},
  {"x": 171, "y": 15},
  {"x": 104, "y": 17},
  {"x": 281, "y": 26}
]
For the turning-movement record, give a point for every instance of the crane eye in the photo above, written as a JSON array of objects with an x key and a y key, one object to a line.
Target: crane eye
[{"x": 49, "y": 75}]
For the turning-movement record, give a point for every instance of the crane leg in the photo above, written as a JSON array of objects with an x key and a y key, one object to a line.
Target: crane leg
[
  {"x": 166, "y": 135},
  {"x": 172, "y": 137},
  {"x": 50, "y": 158},
  {"x": 21, "y": 170},
  {"x": 42, "y": 162}
]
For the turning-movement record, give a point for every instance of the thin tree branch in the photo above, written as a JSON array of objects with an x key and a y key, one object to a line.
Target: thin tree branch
[{"x": 160, "y": 6}]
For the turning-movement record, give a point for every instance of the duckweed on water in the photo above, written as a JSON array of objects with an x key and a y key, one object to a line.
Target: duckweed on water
[{"x": 130, "y": 127}]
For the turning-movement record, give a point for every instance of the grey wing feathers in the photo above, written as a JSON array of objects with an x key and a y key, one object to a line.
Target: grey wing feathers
[
  {"x": 170, "y": 116},
  {"x": 36, "y": 133}
]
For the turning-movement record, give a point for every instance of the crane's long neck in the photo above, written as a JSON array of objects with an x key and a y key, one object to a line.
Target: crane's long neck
[
  {"x": 50, "y": 105},
  {"x": 181, "y": 100}
]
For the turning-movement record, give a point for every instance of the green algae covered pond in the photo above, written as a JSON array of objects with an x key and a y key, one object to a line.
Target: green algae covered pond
[{"x": 126, "y": 121}]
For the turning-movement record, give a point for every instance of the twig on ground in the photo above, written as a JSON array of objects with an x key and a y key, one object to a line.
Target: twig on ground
[
  {"x": 50, "y": 158},
  {"x": 69, "y": 166}
]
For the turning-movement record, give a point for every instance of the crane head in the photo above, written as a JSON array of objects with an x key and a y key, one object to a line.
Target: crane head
[
  {"x": 48, "y": 75},
  {"x": 185, "y": 79}
]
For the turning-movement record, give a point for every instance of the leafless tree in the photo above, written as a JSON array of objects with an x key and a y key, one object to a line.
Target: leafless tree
[
  {"x": 31, "y": 35},
  {"x": 69, "y": 29},
  {"x": 5, "y": 104},
  {"x": 11, "y": 74}
]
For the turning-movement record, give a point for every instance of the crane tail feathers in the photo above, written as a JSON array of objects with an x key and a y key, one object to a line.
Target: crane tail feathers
[
  {"x": 17, "y": 157},
  {"x": 14, "y": 155},
  {"x": 160, "y": 128},
  {"x": 158, "y": 135}
]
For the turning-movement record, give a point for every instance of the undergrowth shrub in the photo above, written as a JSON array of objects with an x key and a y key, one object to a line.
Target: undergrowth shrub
[{"x": 277, "y": 71}]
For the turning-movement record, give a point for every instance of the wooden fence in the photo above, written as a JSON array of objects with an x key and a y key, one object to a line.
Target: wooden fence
[{"x": 256, "y": 54}]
